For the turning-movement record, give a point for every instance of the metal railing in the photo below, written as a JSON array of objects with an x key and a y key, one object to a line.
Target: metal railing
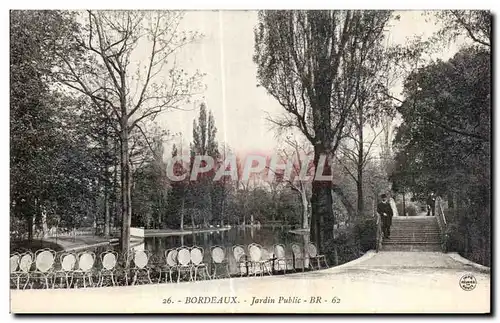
[
  {"x": 441, "y": 220},
  {"x": 379, "y": 232}
]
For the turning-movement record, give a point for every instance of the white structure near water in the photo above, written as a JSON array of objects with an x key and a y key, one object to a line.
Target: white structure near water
[{"x": 136, "y": 232}]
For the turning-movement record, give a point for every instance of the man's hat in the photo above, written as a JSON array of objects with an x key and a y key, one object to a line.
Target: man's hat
[{"x": 383, "y": 196}]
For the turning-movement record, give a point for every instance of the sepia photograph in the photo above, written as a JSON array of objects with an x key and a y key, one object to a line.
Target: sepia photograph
[{"x": 250, "y": 161}]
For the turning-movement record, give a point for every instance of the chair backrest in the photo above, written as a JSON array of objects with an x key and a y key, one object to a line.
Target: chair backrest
[
  {"x": 109, "y": 259},
  {"x": 279, "y": 251},
  {"x": 14, "y": 262},
  {"x": 255, "y": 252},
  {"x": 183, "y": 256},
  {"x": 196, "y": 255},
  {"x": 141, "y": 258},
  {"x": 68, "y": 261},
  {"x": 171, "y": 257},
  {"x": 297, "y": 251},
  {"x": 218, "y": 254},
  {"x": 266, "y": 254},
  {"x": 86, "y": 260},
  {"x": 44, "y": 260},
  {"x": 311, "y": 250},
  {"x": 25, "y": 262},
  {"x": 238, "y": 252}
]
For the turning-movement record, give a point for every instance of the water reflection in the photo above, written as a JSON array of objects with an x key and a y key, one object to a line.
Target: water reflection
[{"x": 266, "y": 237}]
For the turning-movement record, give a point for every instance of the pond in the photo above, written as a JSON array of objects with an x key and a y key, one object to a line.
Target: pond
[{"x": 265, "y": 236}]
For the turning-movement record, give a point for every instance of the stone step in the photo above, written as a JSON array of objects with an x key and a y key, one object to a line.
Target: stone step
[
  {"x": 401, "y": 218},
  {"x": 413, "y": 225},
  {"x": 412, "y": 247},
  {"x": 416, "y": 237},
  {"x": 423, "y": 221},
  {"x": 418, "y": 227},
  {"x": 415, "y": 222},
  {"x": 393, "y": 236},
  {"x": 409, "y": 234},
  {"x": 408, "y": 241},
  {"x": 424, "y": 224},
  {"x": 392, "y": 241},
  {"x": 404, "y": 225},
  {"x": 414, "y": 231},
  {"x": 414, "y": 234},
  {"x": 395, "y": 227},
  {"x": 411, "y": 219},
  {"x": 403, "y": 232}
]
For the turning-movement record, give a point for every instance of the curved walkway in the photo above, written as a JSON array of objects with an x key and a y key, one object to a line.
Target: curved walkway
[{"x": 384, "y": 282}]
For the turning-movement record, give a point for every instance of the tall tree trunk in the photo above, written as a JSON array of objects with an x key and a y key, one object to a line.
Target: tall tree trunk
[
  {"x": 359, "y": 183},
  {"x": 45, "y": 229},
  {"x": 107, "y": 216},
  {"x": 125, "y": 186},
  {"x": 107, "y": 183},
  {"x": 306, "y": 241},
  {"x": 106, "y": 197},
  {"x": 305, "y": 211},
  {"x": 322, "y": 214},
  {"x": 116, "y": 190},
  {"x": 95, "y": 208}
]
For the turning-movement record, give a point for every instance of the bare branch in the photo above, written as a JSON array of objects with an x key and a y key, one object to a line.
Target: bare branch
[{"x": 467, "y": 27}]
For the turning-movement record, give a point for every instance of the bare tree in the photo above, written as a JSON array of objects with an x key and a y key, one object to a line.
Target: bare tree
[
  {"x": 475, "y": 24},
  {"x": 137, "y": 88},
  {"x": 354, "y": 160},
  {"x": 300, "y": 154},
  {"x": 370, "y": 106}
]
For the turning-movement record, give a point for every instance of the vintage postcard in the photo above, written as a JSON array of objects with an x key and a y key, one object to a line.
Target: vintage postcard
[{"x": 259, "y": 161}]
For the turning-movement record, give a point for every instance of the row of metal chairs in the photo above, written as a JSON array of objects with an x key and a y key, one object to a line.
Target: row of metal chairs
[{"x": 42, "y": 270}]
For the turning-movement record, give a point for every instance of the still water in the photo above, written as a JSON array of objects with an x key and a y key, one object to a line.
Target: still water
[{"x": 266, "y": 237}]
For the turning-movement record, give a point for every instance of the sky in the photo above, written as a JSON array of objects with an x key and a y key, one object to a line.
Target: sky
[{"x": 240, "y": 107}]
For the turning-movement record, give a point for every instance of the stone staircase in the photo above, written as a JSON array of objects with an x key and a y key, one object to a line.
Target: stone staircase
[{"x": 416, "y": 233}]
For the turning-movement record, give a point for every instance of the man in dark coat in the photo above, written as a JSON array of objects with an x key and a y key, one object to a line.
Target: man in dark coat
[
  {"x": 431, "y": 204},
  {"x": 384, "y": 209}
]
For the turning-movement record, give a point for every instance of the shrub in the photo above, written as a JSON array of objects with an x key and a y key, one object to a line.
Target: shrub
[
  {"x": 453, "y": 241},
  {"x": 365, "y": 231},
  {"x": 351, "y": 242},
  {"x": 341, "y": 249},
  {"x": 468, "y": 233},
  {"x": 410, "y": 208}
]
